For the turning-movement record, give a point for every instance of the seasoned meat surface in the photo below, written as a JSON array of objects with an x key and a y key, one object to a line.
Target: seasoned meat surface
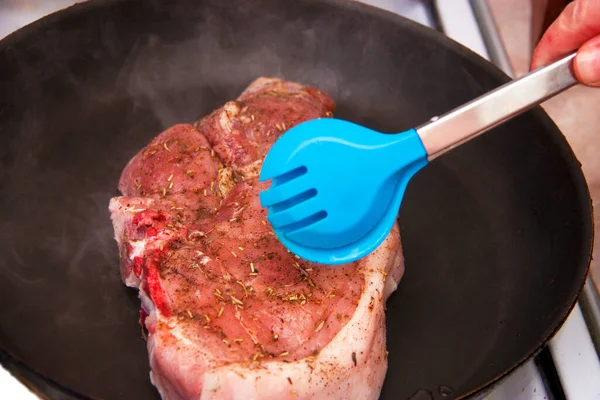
[{"x": 228, "y": 311}]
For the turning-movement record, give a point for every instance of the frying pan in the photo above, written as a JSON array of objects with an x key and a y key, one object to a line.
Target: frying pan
[{"x": 497, "y": 235}]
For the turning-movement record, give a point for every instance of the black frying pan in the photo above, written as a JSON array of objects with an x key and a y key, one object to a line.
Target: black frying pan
[{"x": 497, "y": 234}]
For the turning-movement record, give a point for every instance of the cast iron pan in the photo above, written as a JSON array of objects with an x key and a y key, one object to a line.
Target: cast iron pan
[{"x": 497, "y": 235}]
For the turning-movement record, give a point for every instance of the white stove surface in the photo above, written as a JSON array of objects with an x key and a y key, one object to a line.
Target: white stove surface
[
  {"x": 10, "y": 388},
  {"x": 572, "y": 349}
]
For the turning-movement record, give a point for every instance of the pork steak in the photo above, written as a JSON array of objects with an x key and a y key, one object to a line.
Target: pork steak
[{"x": 227, "y": 311}]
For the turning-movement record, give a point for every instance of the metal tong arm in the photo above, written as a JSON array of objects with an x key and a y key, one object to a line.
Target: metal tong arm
[{"x": 489, "y": 110}]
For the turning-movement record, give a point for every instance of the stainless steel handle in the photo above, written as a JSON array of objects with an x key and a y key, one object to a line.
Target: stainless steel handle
[{"x": 489, "y": 110}]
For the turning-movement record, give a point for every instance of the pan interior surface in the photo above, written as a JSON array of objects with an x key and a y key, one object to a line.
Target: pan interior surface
[{"x": 496, "y": 235}]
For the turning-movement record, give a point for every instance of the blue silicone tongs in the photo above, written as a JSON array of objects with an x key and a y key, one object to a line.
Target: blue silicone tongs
[{"x": 337, "y": 187}]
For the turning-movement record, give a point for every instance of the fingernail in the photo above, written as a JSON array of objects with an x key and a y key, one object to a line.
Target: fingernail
[{"x": 587, "y": 63}]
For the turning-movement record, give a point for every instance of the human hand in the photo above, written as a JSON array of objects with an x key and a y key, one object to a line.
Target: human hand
[{"x": 577, "y": 27}]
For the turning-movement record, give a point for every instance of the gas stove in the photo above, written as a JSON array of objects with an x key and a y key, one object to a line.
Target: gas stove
[{"x": 569, "y": 366}]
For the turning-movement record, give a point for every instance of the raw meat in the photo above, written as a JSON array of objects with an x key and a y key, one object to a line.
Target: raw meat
[{"x": 229, "y": 313}]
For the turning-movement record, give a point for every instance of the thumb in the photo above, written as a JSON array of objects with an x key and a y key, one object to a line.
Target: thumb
[{"x": 587, "y": 63}]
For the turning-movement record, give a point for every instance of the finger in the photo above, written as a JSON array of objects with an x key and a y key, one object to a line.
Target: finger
[
  {"x": 578, "y": 23},
  {"x": 587, "y": 63}
]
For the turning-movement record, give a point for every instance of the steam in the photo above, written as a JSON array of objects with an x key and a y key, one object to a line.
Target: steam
[
  {"x": 183, "y": 81},
  {"x": 180, "y": 83}
]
